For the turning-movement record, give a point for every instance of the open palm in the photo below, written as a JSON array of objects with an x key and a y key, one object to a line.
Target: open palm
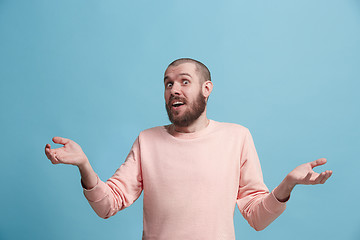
[
  {"x": 304, "y": 174},
  {"x": 70, "y": 153}
]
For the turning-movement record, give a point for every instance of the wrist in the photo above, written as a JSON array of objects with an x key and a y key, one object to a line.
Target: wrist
[
  {"x": 289, "y": 183},
  {"x": 83, "y": 164},
  {"x": 283, "y": 191},
  {"x": 89, "y": 178}
]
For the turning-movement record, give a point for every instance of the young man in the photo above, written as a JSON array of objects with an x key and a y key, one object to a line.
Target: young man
[{"x": 193, "y": 172}]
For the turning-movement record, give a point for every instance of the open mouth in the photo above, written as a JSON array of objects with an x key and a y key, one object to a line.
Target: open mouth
[{"x": 177, "y": 104}]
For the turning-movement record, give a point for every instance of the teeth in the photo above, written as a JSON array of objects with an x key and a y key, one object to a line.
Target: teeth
[{"x": 176, "y": 104}]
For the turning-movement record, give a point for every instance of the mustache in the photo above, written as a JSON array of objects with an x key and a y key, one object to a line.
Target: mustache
[{"x": 172, "y": 97}]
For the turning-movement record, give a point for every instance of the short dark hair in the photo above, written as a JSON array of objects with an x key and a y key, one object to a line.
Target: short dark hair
[{"x": 200, "y": 67}]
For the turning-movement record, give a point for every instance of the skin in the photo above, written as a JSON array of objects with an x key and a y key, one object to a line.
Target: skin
[
  {"x": 183, "y": 81},
  {"x": 71, "y": 153}
]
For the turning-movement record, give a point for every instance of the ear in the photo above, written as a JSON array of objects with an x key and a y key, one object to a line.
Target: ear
[{"x": 207, "y": 88}]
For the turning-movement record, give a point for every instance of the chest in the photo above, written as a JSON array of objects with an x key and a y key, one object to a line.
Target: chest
[{"x": 200, "y": 164}]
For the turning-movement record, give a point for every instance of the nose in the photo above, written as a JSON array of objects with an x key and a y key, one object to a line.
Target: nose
[{"x": 176, "y": 89}]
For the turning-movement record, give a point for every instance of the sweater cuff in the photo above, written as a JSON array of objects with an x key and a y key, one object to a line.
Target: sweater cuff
[
  {"x": 273, "y": 205},
  {"x": 97, "y": 193}
]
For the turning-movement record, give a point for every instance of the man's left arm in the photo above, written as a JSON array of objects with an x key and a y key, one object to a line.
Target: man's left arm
[
  {"x": 303, "y": 174},
  {"x": 255, "y": 203}
]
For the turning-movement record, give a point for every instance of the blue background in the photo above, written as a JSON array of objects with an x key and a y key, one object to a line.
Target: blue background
[{"x": 92, "y": 71}]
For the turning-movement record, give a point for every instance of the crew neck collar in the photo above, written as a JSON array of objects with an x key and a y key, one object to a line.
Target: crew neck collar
[{"x": 181, "y": 135}]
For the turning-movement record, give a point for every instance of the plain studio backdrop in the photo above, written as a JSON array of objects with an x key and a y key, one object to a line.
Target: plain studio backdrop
[{"x": 92, "y": 71}]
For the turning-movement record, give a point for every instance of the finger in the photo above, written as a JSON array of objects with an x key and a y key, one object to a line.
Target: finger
[
  {"x": 51, "y": 156},
  {"x": 327, "y": 175},
  {"x": 324, "y": 178},
  {"x": 47, "y": 147},
  {"x": 319, "y": 178},
  {"x": 307, "y": 177},
  {"x": 54, "y": 161},
  {"x": 318, "y": 162},
  {"x": 60, "y": 140},
  {"x": 47, "y": 152}
]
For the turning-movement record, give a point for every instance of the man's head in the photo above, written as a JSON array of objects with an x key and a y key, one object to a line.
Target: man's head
[
  {"x": 201, "y": 70},
  {"x": 187, "y": 88}
]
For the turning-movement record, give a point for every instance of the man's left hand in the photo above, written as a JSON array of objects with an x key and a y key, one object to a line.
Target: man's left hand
[{"x": 304, "y": 174}]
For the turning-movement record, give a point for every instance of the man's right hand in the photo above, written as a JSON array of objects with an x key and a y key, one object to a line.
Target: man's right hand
[{"x": 70, "y": 153}]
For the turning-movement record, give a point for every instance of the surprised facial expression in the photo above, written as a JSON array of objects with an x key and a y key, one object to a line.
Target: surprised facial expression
[{"x": 184, "y": 100}]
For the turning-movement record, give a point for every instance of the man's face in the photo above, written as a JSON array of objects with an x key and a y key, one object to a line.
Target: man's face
[{"x": 184, "y": 100}]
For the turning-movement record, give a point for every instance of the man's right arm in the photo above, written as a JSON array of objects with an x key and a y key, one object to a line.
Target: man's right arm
[{"x": 106, "y": 198}]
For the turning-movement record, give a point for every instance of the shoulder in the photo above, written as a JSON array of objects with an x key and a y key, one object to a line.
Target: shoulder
[
  {"x": 231, "y": 127},
  {"x": 153, "y": 133}
]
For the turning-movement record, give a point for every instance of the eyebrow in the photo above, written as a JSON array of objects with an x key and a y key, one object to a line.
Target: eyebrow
[{"x": 181, "y": 74}]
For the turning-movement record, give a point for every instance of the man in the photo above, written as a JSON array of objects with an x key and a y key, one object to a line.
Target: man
[{"x": 193, "y": 172}]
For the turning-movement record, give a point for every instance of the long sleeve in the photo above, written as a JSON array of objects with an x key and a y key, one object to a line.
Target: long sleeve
[
  {"x": 256, "y": 204},
  {"x": 190, "y": 182},
  {"x": 119, "y": 191}
]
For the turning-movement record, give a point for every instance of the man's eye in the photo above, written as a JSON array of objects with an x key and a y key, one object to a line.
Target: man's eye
[
  {"x": 186, "y": 82},
  {"x": 169, "y": 85}
]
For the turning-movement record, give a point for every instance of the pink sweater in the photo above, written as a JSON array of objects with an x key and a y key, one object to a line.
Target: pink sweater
[{"x": 191, "y": 183}]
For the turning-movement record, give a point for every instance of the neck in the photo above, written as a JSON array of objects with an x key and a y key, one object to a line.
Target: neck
[{"x": 199, "y": 124}]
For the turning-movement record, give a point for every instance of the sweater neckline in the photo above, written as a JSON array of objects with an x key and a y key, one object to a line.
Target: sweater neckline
[{"x": 193, "y": 135}]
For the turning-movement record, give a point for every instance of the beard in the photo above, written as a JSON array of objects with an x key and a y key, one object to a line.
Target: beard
[{"x": 192, "y": 113}]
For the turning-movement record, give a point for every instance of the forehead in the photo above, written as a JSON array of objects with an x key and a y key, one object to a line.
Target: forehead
[{"x": 181, "y": 69}]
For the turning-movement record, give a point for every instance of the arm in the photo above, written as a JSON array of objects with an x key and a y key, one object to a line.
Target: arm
[
  {"x": 256, "y": 204},
  {"x": 302, "y": 174},
  {"x": 106, "y": 198}
]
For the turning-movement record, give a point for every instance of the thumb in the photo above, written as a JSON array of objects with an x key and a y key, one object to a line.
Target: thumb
[
  {"x": 318, "y": 162},
  {"x": 60, "y": 140}
]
